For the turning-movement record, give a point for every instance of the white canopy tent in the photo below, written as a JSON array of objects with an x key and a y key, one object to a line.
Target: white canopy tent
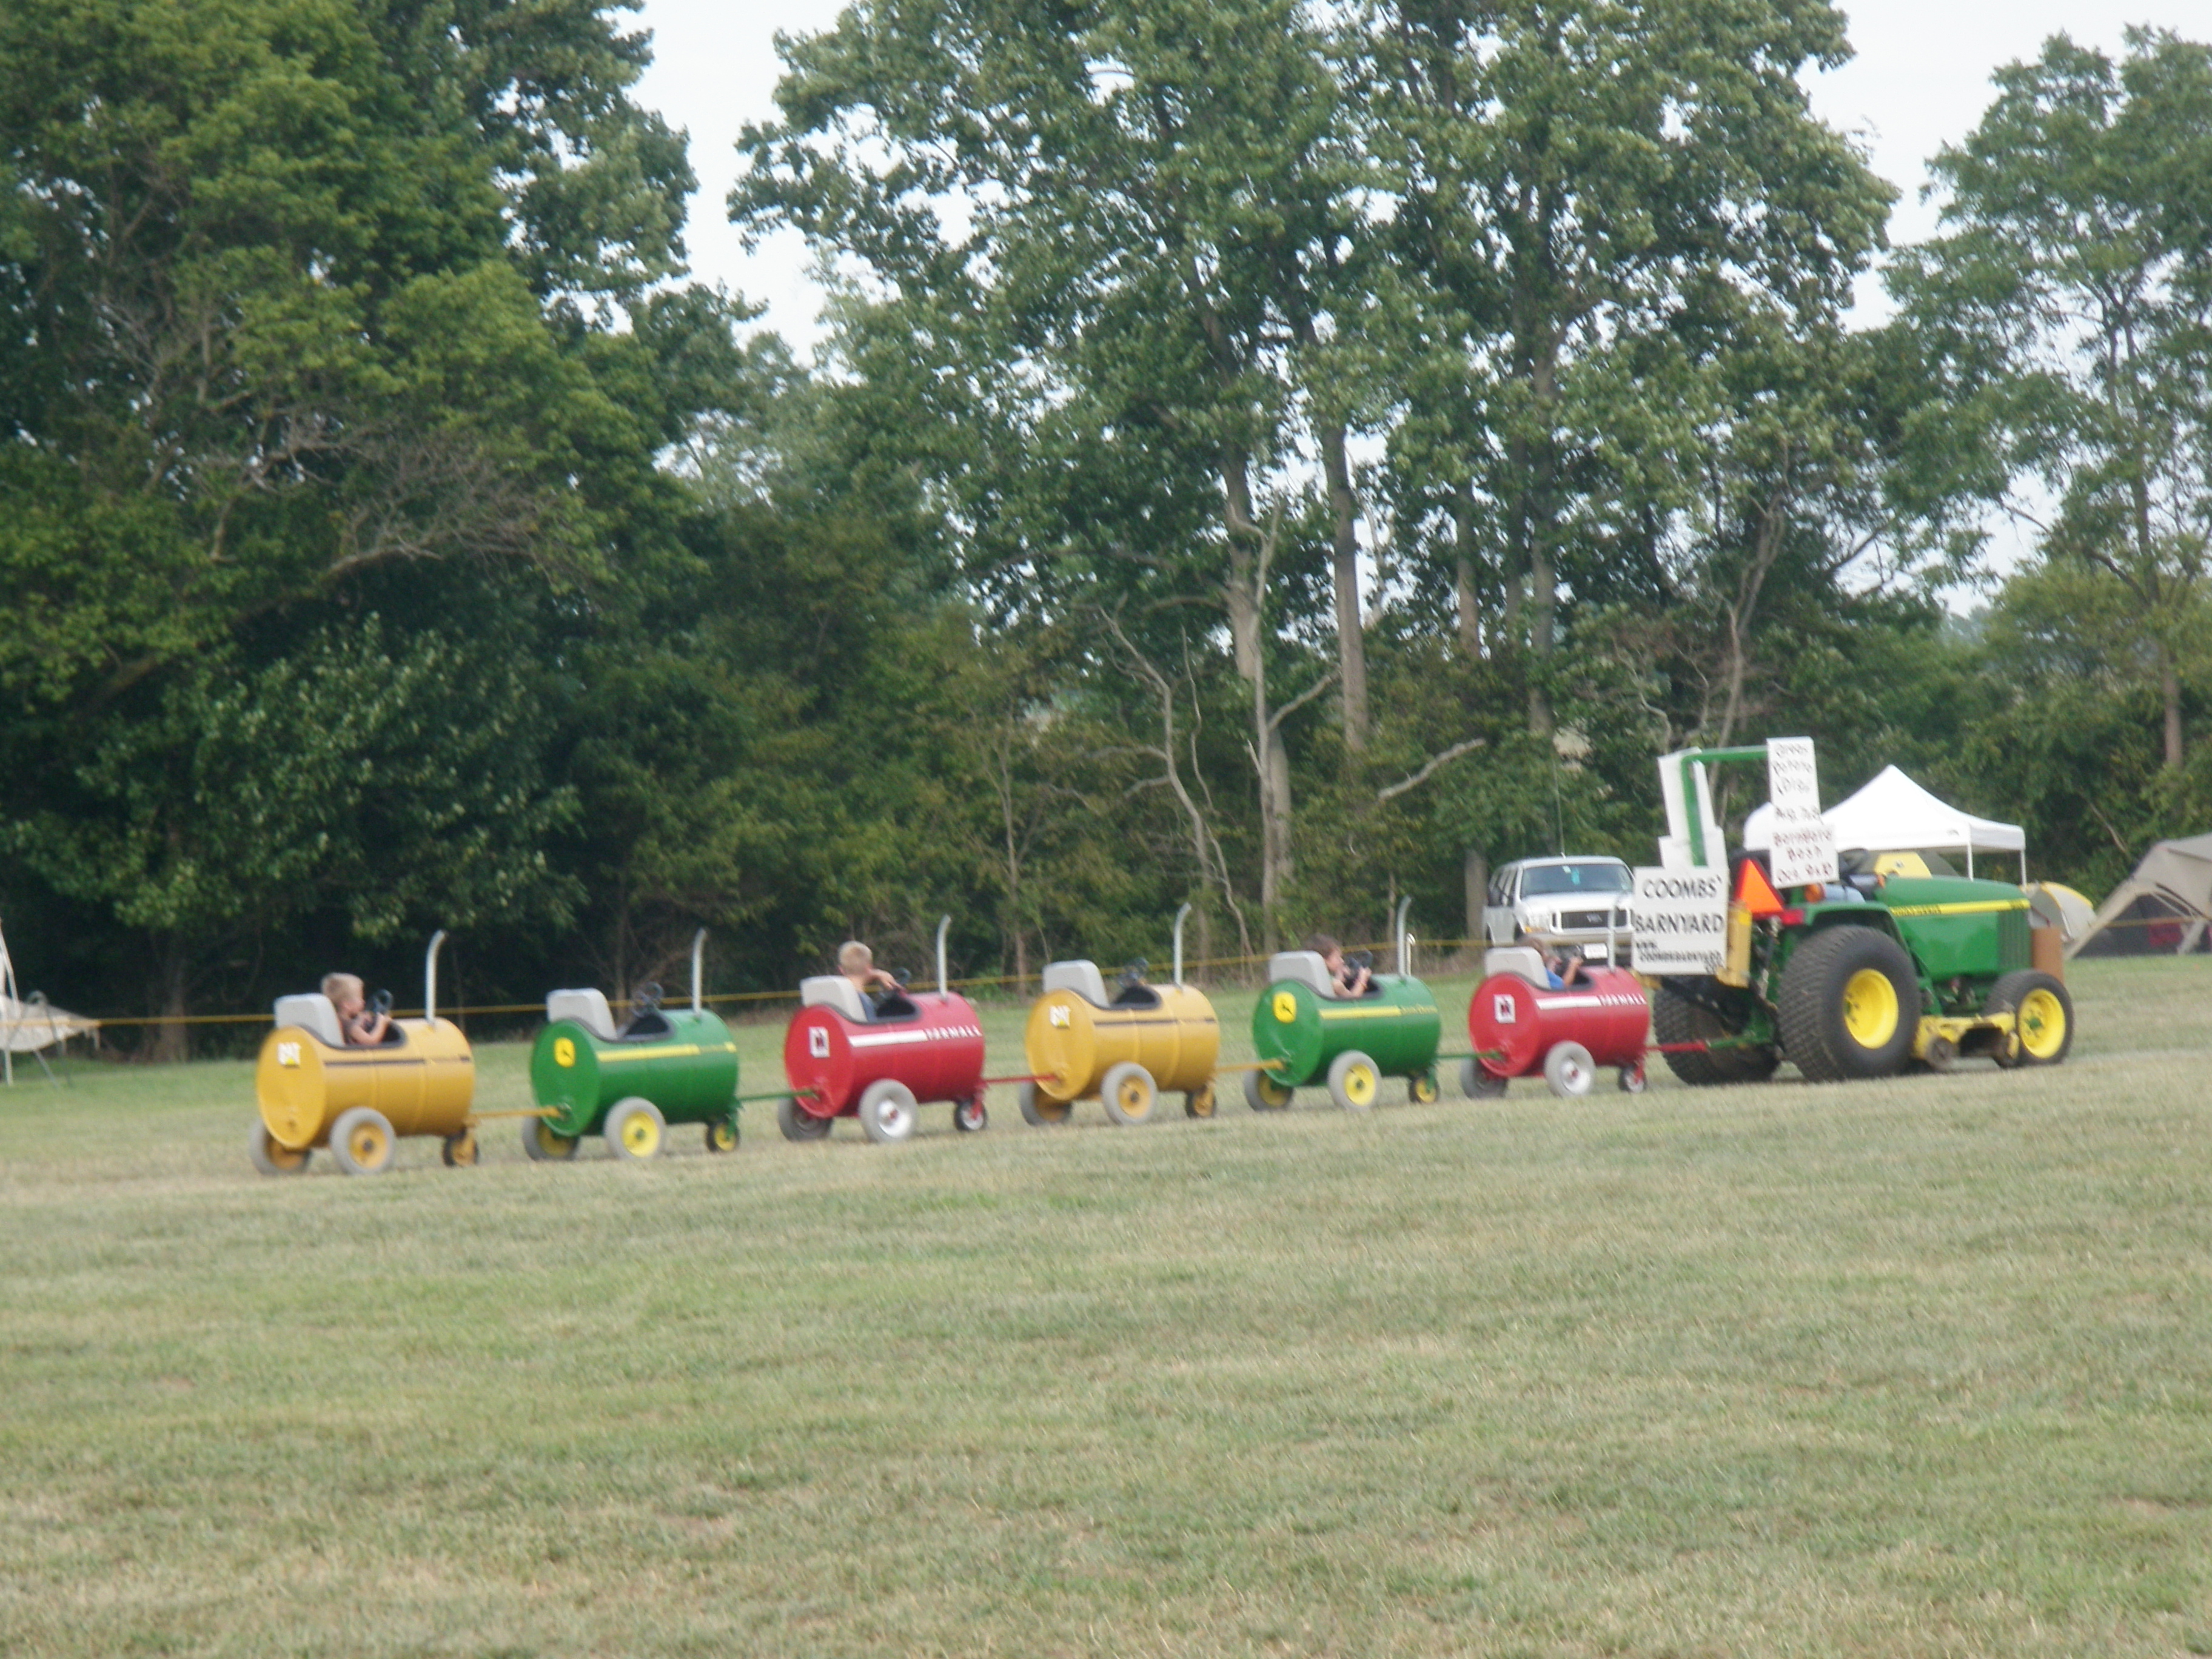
[
  {"x": 1892, "y": 814},
  {"x": 32, "y": 1027}
]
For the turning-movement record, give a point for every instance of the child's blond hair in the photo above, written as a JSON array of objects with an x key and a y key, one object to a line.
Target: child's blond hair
[
  {"x": 340, "y": 988},
  {"x": 854, "y": 958}
]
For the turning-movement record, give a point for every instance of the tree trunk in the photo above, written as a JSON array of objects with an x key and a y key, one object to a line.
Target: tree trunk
[
  {"x": 1470, "y": 619},
  {"x": 1351, "y": 642},
  {"x": 1476, "y": 872},
  {"x": 2169, "y": 687},
  {"x": 171, "y": 1039}
]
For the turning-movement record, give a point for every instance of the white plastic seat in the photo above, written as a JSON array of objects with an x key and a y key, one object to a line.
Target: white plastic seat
[
  {"x": 589, "y": 1008},
  {"x": 1081, "y": 977},
  {"x": 1303, "y": 968},
  {"x": 834, "y": 991},
  {"x": 1526, "y": 960},
  {"x": 313, "y": 1013}
]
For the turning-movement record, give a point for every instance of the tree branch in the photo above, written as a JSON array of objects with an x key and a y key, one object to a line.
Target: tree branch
[{"x": 1422, "y": 776}]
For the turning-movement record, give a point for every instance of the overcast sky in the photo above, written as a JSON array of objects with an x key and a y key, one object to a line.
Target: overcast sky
[{"x": 1921, "y": 80}]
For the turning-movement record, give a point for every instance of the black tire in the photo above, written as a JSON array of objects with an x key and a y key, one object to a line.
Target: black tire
[
  {"x": 2035, "y": 990},
  {"x": 1675, "y": 1018},
  {"x": 1814, "y": 1011}
]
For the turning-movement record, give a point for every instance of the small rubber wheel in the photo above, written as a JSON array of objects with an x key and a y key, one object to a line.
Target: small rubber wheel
[
  {"x": 722, "y": 1137},
  {"x": 1633, "y": 1080},
  {"x": 542, "y": 1145},
  {"x": 2043, "y": 1010},
  {"x": 1263, "y": 1094},
  {"x": 361, "y": 1141},
  {"x": 273, "y": 1158},
  {"x": 459, "y": 1150},
  {"x": 1199, "y": 1102},
  {"x": 969, "y": 1115},
  {"x": 1569, "y": 1071},
  {"x": 797, "y": 1122},
  {"x": 1422, "y": 1089},
  {"x": 1477, "y": 1082},
  {"x": 635, "y": 1130},
  {"x": 1942, "y": 1055},
  {"x": 1353, "y": 1081},
  {"x": 1041, "y": 1112},
  {"x": 1128, "y": 1093},
  {"x": 887, "y": 1111}
]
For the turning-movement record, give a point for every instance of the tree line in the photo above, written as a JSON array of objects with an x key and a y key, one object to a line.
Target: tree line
[{"x": 1278, "y": 457}]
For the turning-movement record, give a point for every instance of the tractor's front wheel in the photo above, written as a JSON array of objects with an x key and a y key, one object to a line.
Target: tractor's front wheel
[
  {"x": 1716, "y": 1015},
  {"x": 2043, "y": 1017},
  {"x": 1850, "y": 1005}
]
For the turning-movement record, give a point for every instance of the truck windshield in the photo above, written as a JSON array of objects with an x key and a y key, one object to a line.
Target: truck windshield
[{"x": 1593, "y": 877}]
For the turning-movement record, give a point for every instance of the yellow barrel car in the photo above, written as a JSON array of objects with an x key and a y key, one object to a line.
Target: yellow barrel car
[
  {"x": 1123, "y": 1051},
  {"x": 314, "y": 1090}
]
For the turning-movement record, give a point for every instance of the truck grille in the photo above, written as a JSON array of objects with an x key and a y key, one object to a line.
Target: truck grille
[{"x": 1586, "y": 919}]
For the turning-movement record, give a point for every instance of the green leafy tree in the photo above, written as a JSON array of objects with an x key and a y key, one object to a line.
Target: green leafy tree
[{"x": 2064, "y": 317}]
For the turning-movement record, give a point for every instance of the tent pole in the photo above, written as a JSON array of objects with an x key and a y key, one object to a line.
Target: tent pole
[{"x": 1969, "y": 860}]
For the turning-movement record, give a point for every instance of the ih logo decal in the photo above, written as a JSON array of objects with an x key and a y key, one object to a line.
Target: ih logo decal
[
  {"x": 1060, "y": 1017},
  {"x": 287, "y": 1053},
  {"x": 818, "y": 1042},
  {"x": 564, "y": 1051},
  {"x": 1502, "y": 1009},
  {"x": 1287, "y": 1007}
]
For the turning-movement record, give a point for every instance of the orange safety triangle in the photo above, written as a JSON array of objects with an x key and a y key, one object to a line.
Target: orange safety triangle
[{"x": 1755, "y": 893}]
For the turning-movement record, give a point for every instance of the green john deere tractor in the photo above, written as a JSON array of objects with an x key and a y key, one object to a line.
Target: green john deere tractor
[{"x": 1858, "y": 976}]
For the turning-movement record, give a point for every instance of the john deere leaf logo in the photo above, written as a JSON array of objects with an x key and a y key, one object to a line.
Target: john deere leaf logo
[{"x": 564, "y": 1051}]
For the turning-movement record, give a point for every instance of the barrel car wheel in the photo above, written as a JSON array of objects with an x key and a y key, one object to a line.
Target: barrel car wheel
[
  {"x": 635, "y": 1130},
  {"x": 459, "y": 1150},
  {"x": 1569, "y": 1071},
  {"x": 361, "y": 1141},
  {"x": 1477, "y": 1082},
  {"x": 1353, "y": 1081},
  {"x": 887, "y": 1111},
  {"x": 1422, "y": 1089},
  {"x": 969, "y": 1115},
  {"x": 1127, "y": 1093},
  {"x": 1634, "y": 1080},
  {"x": 1199, "y": 1102},
  {"x": 722, "y": 1137},
  {"x": 543, "y": 1145},
  {"x": 273, "y": 1158},
  {"x": 1040, "y": 1113},
  {"x": 1263, "y": 1094},
  {"x": 797, "y": 1122}
]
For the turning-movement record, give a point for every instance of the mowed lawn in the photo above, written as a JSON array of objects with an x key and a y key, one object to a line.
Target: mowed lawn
[{"x": 1923, "y": 1367}]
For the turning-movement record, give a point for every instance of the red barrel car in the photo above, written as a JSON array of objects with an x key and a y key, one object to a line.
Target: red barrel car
[
  {"x": 1520, "y": 1026},
  {"x": 878, "y": 1061}
]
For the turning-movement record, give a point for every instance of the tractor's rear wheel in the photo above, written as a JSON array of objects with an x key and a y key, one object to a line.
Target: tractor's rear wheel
[
  {"x": 2043, "y": 1025},
  {"x": 1676, "y": 1020},
  {"x": 1850, "y": 1005}
]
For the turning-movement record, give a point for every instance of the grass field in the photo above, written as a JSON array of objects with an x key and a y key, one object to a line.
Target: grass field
[{"x": 1915, "y": 1368}]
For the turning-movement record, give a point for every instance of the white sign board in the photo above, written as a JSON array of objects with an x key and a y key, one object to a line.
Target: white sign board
[
  {"x": 1680, "y": 922},
  {"x": 1804, "y": 847}
]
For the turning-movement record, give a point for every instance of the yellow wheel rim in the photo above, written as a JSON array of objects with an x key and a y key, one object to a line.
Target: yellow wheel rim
[
  {"x": 1133, "y": 1100},
  {"x": 1202, "y": 1102},
  {"x": 367, "y": 1144},
  {"x": 641, "y": 1136},
  {"x": 555, "y": 1146},
  {"x": 1870, "y": 1008},
  {"x": 2042, "y": 1020},
  {"x": 1274, "y": 1092},
  {"x": 1424, "y": 1089},
  {"x": 724, "y": 1137},
  {"x": 284, "y": 1158},
  {"x": 1359, "y": 1085}
]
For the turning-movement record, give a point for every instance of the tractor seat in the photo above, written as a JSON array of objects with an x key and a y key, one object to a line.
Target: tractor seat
[
  {"x": 1081, "y": 977},
  {"x": 587, "y": 1008},
  {"x": 835, "y": 991},
  {"x": 314, "y": 1013},
  {"x": 1303, "y": 968},
  {"x": 644, "y": 1026},
  {"x": 1525, "y": 960},
  {"x": 1136, "y": 996}
]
